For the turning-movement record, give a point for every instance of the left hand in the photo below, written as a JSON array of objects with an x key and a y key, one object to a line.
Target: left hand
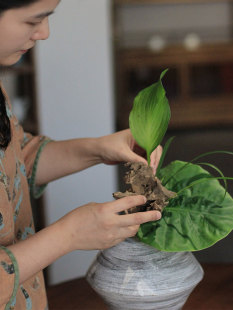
[{"x": 121, "y": 147}]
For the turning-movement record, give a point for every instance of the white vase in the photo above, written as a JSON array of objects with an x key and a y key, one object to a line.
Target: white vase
[{"x": 133, "y": 276}]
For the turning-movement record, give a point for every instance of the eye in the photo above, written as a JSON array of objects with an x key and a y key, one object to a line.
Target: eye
[{"x": 34, "y": 23}]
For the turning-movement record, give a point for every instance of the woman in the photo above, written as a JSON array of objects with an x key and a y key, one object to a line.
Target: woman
[{"x": 26, "y": 163}]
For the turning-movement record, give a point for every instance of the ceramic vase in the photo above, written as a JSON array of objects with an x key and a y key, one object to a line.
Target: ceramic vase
[{"x": 133, "y": 276}]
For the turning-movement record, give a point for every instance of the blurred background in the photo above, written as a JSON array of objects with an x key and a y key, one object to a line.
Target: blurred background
[{"x": 82, "y": 82}]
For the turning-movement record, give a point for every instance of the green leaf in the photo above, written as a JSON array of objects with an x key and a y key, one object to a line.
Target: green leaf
[
  {"x": 195, "y": 159},
  {"x": 194, "y": 220},
  {"x": 219, "y": 171},
  {"x": 149, "y": 118}
]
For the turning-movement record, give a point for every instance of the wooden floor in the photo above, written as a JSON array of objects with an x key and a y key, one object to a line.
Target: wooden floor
[{"x": 215, "y": 292}]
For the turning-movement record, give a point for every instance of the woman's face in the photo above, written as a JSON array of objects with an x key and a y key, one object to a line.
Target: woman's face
[{"x": 20, "y": 29}]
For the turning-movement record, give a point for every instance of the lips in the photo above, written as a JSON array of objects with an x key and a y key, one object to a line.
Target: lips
[{"x": 23, "y": 51}]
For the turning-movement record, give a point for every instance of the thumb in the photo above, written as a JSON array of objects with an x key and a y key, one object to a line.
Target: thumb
[{"x": 133, "y": 157}]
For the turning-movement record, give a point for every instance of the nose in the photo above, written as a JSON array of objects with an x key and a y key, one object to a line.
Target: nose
[{"x": 42, "y": 32}]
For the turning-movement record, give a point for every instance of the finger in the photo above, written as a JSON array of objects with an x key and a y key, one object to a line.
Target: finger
[
  {"x": 138, "y": 150},
  {"x": 155, "y": 158},
  {"x": 128, "y": 202},
  {"x": 133, "y": 157},
  {"x": 155, "y": 155},
  {"x": 139, "y": 218},
  {"x": 118, "y": 241},
  {"x": 130, "y": 231},
  {"x": 124, "y": 233}
]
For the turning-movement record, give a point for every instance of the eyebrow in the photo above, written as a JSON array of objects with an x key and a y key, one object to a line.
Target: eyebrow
[
  {"x": 42, "y": 15},
  {"x": 45, "y": 14}
]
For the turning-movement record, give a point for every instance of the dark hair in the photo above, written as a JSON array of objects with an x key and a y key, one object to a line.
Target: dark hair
[
  {"x": 13, "y": 4},
  {"x": 5, "y": 128}
]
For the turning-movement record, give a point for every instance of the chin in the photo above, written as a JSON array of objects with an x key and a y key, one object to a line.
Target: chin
[{"x": 10, "y": 61}]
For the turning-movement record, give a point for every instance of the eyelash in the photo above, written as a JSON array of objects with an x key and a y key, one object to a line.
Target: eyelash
[{"x": 33, "y": 24}]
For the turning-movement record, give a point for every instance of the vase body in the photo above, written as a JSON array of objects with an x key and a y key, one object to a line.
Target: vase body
[{"x": 133, "y": 276}]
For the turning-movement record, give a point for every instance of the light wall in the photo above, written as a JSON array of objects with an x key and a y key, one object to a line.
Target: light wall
[{"x": 75, "y": 100}]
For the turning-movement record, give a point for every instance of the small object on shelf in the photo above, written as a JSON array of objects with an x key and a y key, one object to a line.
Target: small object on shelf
[
  {"x": 156, "y": 43},
  {"x": 192, "y": 41}
]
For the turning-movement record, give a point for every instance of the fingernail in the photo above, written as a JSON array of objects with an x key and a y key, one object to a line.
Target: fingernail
[
  {"x": 144, "y": 198},
  {"x": 159, "y": 215}
]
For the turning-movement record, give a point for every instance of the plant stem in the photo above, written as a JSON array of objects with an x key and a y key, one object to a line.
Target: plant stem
[{"x": 148, "y": 158}]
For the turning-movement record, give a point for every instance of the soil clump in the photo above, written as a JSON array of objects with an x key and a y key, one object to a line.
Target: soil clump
[{"x": 140, "y": 180}]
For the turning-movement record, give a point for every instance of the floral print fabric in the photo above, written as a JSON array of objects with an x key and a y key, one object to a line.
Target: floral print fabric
[{"x": 18, "y": 165}]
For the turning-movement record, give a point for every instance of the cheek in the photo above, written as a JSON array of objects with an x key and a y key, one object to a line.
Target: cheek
[
  {"x": 10, "y": 50},
  {"x": 20, "y": 39},
  {"x": 14, "y": 40}
]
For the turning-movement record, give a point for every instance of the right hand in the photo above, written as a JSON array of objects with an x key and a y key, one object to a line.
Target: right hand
[{"x": 99, "y": 226}]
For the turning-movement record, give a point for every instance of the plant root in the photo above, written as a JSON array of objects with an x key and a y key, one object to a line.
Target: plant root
[{"x": 141, "y": 181}]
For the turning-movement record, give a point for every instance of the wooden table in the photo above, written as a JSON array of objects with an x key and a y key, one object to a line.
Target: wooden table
[{"x": 215, "y": 292}]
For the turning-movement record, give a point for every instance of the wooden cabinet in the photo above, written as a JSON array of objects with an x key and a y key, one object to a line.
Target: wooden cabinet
[
  {"x": 199, "y": 83},
  {"x": 133, "y": 2}
]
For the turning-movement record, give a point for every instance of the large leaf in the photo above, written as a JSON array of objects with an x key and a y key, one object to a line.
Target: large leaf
[
  {"x": 194, "y": 220},
  {"x": 150, "y": 116}
]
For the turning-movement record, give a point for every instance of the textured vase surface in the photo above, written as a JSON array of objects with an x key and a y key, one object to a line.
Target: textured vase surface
[{"x": 133, "y": 276}]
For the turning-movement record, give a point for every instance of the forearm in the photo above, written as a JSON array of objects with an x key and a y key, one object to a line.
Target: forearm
[
  {"x": 61, "y": 158},
  {"x": 40, "y": 250}
]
